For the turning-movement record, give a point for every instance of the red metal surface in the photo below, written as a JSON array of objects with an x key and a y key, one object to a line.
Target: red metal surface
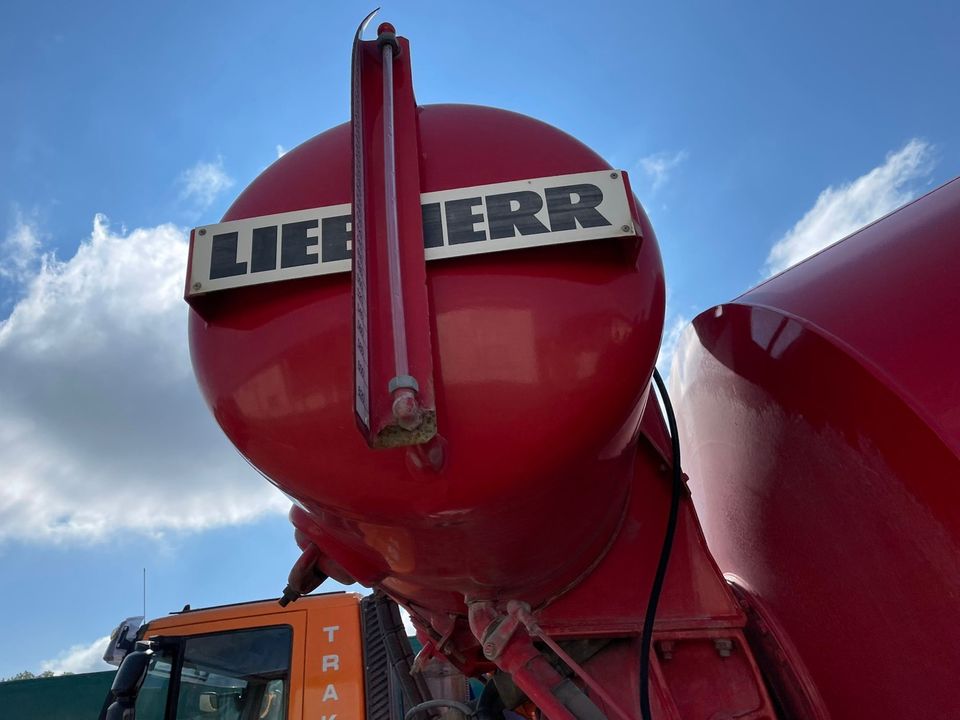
[
  {"x": 556, "y": 477},
  {"x": 694, "y": 593},
  {"x": 527, "y": 345},
  {"x": 392, "y": 324},
  {"x": 595, "y": 688},
  {"x": 819, "y": 419},
  {"x": 787, "y": 676},
  {"x": 514, "y": 653},
  {"x": 696, "y": 607}
]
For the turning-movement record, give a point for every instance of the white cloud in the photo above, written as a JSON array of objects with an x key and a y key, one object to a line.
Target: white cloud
[
  {"x": 842, "y": 210},
  {"x": 102, "y": 428},
  {"x": 204, "y": 181},
  {"x": 673, "y": 328},
  {"x": 280, "y": 151},
  {"x": 659, "y": 166},
  {"x": 80, "y": 658},
  {"x": 19, "y": 251}
]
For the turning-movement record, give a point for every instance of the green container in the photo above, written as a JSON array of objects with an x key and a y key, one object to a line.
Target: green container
[{"x": 67, "y": 697}]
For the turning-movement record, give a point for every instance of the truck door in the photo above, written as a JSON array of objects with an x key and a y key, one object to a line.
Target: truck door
[{"x": 238, "y": 669}]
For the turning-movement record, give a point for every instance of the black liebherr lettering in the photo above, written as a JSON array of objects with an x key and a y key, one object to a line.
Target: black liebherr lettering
[
  {"x": 263, "y": 249},
  {"x": 294, "y": 244},
  {"x": 572, "y": 204},
  {"x": 223, "y": 257},
  {"x": 432, "y": 225},
  {"x": 461, "y": 220},
  {"x": 335, "y": 234},
  {"x": 503, "y": 217},
  {"x": 449, "y": 222}
]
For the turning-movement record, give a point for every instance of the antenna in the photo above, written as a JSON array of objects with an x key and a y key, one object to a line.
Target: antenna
[{"x": 144, "y": 594}]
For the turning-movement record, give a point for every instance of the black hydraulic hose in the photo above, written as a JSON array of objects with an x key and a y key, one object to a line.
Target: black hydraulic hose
[
  {"x": 646, "y": 636},
  {"x": 399, "y": 653}
]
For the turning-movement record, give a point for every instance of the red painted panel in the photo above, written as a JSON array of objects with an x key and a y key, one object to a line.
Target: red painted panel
[
  {"x": 542, "y": 361},
  {"x": 818, "y": 417},
  {"x": 392, "y": 343},
  {"x": 891, "y": 294}
]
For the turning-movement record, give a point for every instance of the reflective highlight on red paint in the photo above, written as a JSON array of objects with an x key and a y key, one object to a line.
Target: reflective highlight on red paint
[{"x": 823, "y": 444}]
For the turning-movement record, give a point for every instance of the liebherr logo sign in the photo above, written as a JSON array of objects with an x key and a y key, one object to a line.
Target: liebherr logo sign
[{"x": 462, "y": 221}]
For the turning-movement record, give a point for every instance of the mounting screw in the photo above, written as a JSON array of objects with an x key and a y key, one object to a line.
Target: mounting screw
[
  {"x": 196, "y": 286},
  {"x": 626, "y": 228},
  {"x": 489, "y": 650},
  {"x": 614, "y": 176},
  {"x": 202, "y": 231},
  {"x": 724, "y": 647}
]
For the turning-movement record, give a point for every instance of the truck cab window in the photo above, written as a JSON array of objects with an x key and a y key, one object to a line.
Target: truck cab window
[
  {"x": 237, "y": 675},
  {"x": 152, "y": 697}
]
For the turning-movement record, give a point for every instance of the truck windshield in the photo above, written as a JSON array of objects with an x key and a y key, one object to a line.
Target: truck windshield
[{"x": 235, "y": 675}]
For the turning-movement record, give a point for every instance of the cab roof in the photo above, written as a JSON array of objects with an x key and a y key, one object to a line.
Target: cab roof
[{"x": 256, "y": 608}]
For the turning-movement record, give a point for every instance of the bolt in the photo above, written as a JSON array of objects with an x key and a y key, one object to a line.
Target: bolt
[
  {"x": 202, "y": 231},
  {"x": 196, "y": 286},
  {"x": 724, "y": 647},
  {"x": 626, "y": 228},
  {"x": 489, "y": 650},
  {"x": 614, "y": 176}
]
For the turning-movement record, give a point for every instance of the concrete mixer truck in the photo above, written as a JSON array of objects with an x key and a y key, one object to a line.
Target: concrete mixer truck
[{"x": 435, "y": 329}]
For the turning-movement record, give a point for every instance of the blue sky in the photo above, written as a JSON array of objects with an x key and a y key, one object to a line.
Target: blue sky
[{"x": 756, "y": 132}]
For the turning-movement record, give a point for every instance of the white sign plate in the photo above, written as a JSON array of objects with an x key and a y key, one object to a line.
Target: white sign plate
[{"x": 462, "y": 221}]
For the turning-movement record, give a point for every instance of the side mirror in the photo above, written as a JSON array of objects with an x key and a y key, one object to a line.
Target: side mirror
[
  {"x": 126, "y": 684},
  {"x": 122, "y": 640},
  {"x": 130, "y": 676}
]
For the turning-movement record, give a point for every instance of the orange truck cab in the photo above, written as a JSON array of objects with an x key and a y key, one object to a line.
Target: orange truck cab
[{"x": 320, "y": 658}]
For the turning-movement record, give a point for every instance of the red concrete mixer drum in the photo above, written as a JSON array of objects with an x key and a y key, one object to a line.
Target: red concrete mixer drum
[
  {"x": 435, "y": 329},
  {"x": 542, "y": 358}
]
